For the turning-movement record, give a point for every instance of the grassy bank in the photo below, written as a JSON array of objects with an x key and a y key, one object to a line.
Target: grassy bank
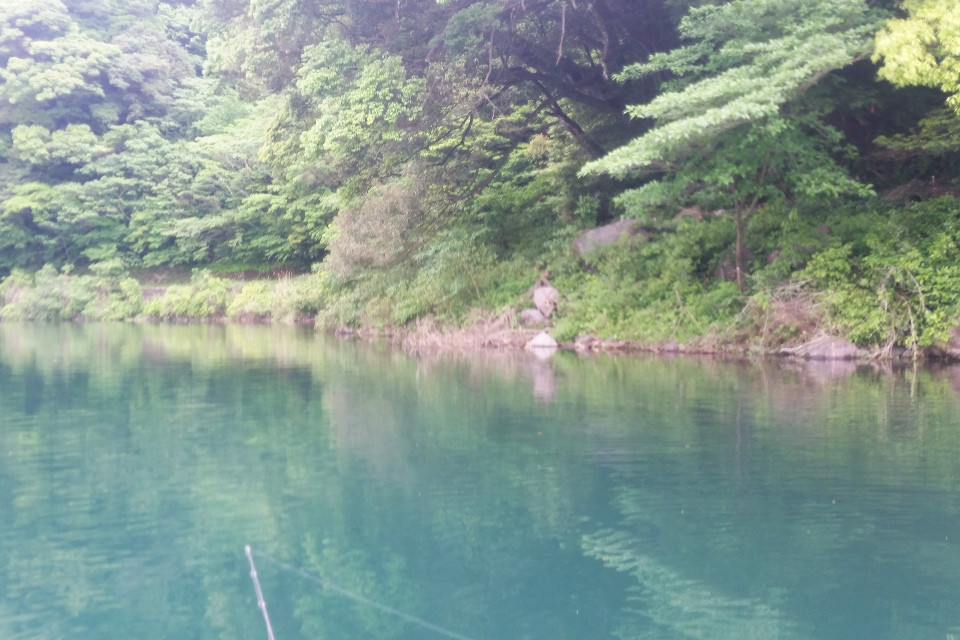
[
  {"x": 109, "y": 293},
  {"x": 885, "y": 276}
]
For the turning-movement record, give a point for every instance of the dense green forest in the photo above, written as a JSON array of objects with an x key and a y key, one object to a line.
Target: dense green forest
[{"x": 791, "y": 166}]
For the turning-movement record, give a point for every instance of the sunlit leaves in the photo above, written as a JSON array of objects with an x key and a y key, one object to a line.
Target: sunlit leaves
[
  {"x": 23, "y": 21},
  {"x": 924, "y": 48},
  {"x": 66, "y": 66},
  {"x": 30, "y": 144},
  {"x": 753, "y": 56},
  {"x": 363, "y": 99}
]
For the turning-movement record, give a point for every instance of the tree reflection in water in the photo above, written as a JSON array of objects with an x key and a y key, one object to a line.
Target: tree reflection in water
[{"x": 490, "y": 493}]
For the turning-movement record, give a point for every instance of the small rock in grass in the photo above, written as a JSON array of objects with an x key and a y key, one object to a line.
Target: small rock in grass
[
  {"x": 532, "y": 317},
  {"x": 583, "y": 343}
]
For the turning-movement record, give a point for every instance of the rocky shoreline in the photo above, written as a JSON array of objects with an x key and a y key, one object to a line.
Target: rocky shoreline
[
  {"x": 494, "y": 336},
  {"x": 528, "y": 329},
  {"x": 504, "y": 333}
]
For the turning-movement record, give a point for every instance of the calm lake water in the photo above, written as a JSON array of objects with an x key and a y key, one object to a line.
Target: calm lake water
[{"x": 487, "y": 497}]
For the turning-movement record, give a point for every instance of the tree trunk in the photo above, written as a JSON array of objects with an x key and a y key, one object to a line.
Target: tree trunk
[{"x": 738, "y": 257}]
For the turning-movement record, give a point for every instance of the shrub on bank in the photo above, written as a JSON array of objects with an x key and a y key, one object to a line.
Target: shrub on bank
[
  {"x": 108, "y": 293},
  {"x": 882, "y": 274},
  {"x": 205, "y": 296},
  {"x": 105, "y": 294},
  {"x": 896, "y": 278},
  {"x": 662, "y": 289},
  {"x": 282, "y": 300}
]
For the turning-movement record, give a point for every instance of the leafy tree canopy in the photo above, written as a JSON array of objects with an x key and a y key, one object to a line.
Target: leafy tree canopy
[
  {"x": 923, "y": 48},
  {"x": 751, "y": 58}
]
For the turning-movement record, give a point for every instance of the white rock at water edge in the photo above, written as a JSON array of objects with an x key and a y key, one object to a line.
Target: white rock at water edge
[{"x": 542, "y": 341}]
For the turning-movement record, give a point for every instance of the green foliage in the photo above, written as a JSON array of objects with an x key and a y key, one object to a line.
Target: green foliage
[
  {"x": 107, "y": 294},
  {"x": 735, "y": 136},
  {"x": 653, "y": 291},
  {"x": 938, "y": 133},
  {"x": 42, "y": 296},
  {"x": 751, "y": 58},
  {"x": 902, "y": 284},
  {"x": 453, "y": 266},
  {"x": 435, "y": 158},
  {"x": 751, "y": 165},
  {"x": 204, "y": 297},
  {"x": 363, "y": 100},
  {"x": 255, "y": 300},
  {"x": 283, "y": 300},
  {"x": 923, "y": 48},
  {"x": 66, "y": 67}
]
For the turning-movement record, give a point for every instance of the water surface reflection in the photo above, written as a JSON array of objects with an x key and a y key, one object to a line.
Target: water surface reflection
[{"x": 495, "y": 494}]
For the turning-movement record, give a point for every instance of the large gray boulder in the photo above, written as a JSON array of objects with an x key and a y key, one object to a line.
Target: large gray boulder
[
  {"x": 545, "y": 299},
  {"x": 584, "y": 343},
  {"x": 824, "y": 349},
  {"x": 587, "y": 241},
  {"x": 834, "y": 349}
]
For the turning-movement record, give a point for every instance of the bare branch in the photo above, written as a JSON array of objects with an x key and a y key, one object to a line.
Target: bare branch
[{"x": 606, "y": 41}]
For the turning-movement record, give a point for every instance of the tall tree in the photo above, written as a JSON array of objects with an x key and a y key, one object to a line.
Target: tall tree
[{"x": 732, "y": 129}]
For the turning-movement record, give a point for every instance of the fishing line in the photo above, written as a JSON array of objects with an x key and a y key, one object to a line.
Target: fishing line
[
  {"x": 326, "y": 584},
  {"x": 261, "y": 603}
]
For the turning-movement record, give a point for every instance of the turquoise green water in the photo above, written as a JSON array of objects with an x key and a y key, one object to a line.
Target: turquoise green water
[{"x": 494, "y": 496}]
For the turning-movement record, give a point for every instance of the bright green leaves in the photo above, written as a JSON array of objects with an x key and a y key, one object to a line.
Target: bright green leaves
[
  {"x": 32, "y": 199},
  {"x": 23, "y": 21},
  {"x": 30, "y": 144},
  {"x": 52, "y": 71},
  {"x": 75, "y": 145},
  {"x": 924, "y": 48},
  {"x": 780, "y": 158},
  {"x": 69, "y": 65},
  {"x": 901, "y": 283},
  {"x": 753, "y": 57},
  {"x": 260, "y": 43},
  {"x": 363, "y": 99},
  {"x": 108, "y": 294},
  {"x": 727, "y": 138}
]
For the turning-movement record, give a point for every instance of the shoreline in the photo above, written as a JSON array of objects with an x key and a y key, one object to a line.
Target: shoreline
[
  {"x": 793, "y": 327},
  {"x": 502, "y": 333},
  {"x": 494, "y": 336}
]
